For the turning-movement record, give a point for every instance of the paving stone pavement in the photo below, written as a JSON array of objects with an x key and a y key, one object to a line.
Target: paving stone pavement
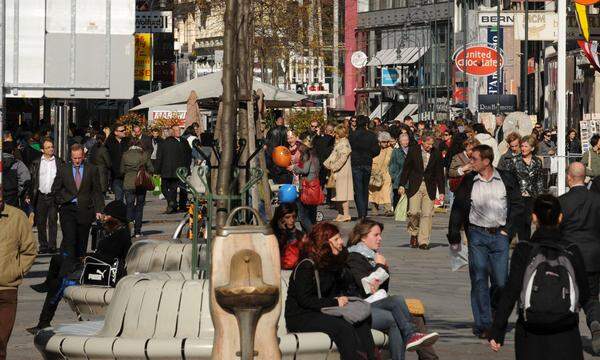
[{"x": 415, "y": 273}]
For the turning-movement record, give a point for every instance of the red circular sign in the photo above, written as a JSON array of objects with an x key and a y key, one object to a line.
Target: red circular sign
[{"x": 481, "y": 60}]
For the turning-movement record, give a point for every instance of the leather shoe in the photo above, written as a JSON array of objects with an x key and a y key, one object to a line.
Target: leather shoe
[
  {"x": 41, "y": 287},
  {"x": 414, "y": 242},
  {"x": 484, "y": 335},
  {"x": 424, "y": 247}
]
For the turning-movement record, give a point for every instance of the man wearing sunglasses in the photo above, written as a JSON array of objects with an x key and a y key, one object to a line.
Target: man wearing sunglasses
[{"x": 117, "y": 144}]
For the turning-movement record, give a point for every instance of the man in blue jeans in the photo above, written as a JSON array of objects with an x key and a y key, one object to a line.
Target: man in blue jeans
[
  {"x": 487, "y": 205},
  {"x": 365, "y": 147}
]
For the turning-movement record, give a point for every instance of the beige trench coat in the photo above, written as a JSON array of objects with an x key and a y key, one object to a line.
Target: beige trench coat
[
  {"x": 339, "y": 164},
  {"x": 381, "y": 163}
]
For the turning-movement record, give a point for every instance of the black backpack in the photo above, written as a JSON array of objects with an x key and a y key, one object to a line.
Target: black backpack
[
  {"x": 10, "y": 182},
  {"x": 549, "y": 294}
]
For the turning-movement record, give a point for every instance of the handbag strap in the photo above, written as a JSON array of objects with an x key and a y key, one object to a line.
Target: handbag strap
[{"x": 316, "y": 274}]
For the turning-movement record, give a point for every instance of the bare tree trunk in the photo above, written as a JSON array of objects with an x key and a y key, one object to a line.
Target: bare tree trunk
[
  {"x": 246, "y": 65},
  {"x": 230, "y": 104},
  {"x": 262, "y": 161},
  {"x": 213, "y": 156}
]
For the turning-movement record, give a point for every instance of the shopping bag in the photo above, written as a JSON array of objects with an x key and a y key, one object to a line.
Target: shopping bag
[
  {"x": 459, "y": 259},
  {"x": 157, "y": 183},
  {"x": 400, "y": 211}
]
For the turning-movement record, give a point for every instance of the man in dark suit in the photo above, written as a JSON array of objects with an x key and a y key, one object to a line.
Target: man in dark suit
[
  {"x": 581, "y": 225},
  {"x": 117, "y": 144},
  {"x": 144, "y": 139},
  {"x": 43, "y": 173},
  {"x": 173, "y": 153},
  {"x": 423, "y": 174},
  {"x": 79, "y": 197}
]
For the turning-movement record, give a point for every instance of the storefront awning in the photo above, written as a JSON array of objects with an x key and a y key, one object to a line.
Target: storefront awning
[
  {"x": 380, "y": 111},
  {"x": 406, "y": 56},
  {"x": 408, "y": 110}
]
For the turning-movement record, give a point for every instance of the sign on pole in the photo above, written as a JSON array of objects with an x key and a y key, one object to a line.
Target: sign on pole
[
  {"x": 143, "y": 57},
  {"x": 479, "y": 60},
  {"x": 154, "y": 22}
]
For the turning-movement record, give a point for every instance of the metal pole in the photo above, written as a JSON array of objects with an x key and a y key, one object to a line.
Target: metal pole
[
  {"x": 2, "y": 33},
  {"x": 526, "y": 60},
  {"x": 464, "y": 29},
  {"x": 561, "y": 93},
  {"x": 498, "y": 58},
  {"x": 336, "y": 53}
]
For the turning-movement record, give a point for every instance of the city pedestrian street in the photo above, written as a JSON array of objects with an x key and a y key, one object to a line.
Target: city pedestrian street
[{"x": 415, "y": 274}]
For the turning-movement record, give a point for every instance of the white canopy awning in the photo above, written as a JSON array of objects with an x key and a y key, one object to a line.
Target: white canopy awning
[
  {"x": 407, "y": 56},
  {"x": 408, "y": 110},
  {"x": 210, "y": 86},
  {"x": 379, "y": 111}
]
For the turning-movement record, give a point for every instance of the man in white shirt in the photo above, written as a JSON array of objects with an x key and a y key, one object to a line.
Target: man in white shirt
[
  {"x": 487, "y": 205},
  {"x": 43, "y": 172}
]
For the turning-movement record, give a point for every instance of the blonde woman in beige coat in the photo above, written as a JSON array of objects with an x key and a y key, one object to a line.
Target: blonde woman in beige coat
[
  {"x": 339, "y": 165},
  {"x": 381, "y": 196}
]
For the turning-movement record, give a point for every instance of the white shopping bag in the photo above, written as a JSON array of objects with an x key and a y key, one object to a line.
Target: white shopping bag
[
  {"x": 459, "y": 259},
  {"x": 553, "y": 165}
]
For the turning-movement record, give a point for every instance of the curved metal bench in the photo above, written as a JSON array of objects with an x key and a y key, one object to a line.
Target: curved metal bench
[
  {"x": 165, "y": 315},
  {"x": 147, "y": 256}
]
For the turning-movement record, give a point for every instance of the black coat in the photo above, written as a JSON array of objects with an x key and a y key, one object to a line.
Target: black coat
[
  {"x": 364, "y": 146},
  {"x": 114, "y": 245},
  {"x": 116, "y": 150},
  {"x": 581, "y": 223},
  {"x": 360, "y": 267},
  {"x": 413, "y": 172},
  {"x": 89, "y": 196},
  {"x": 562, "y": 341},
  {"x": 459, "y": 215},
  {"x": 35, "y": 177},
  {"x": 30, "y": 155},
  {"x": 302, "y": 298},
  {"x": 171, "y": 155},
  {"x": 277, "y": 136},
  {"x": 99, "y": 156}
]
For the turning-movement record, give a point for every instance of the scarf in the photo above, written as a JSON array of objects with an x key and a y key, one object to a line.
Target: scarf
[{"x": 364, "y": 250}]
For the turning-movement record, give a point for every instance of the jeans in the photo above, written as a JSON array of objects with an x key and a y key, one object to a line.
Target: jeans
[
  {"x": 392, "y": 315},
  {"x": 486, "y": 252},
  {"x": 117, "y": 188},
  {"x": 361, "y": 175},
  {"x": 135, "y": 201}
]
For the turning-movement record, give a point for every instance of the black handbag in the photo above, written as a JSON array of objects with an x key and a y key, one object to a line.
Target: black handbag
[{"x": 99, "y": 273}]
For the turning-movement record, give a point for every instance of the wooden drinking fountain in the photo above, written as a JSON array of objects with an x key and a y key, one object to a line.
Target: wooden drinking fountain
[{"x": 245, "y": 297}]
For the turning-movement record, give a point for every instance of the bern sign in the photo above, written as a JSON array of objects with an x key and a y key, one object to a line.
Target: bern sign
[{"x": 478, "y": 60}]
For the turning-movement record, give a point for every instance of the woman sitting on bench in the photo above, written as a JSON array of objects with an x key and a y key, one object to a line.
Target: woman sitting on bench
[
  {"x": 64, "y": 270},
  {"x": 317, "y": 283},
  {"x": 390, "y": 313}
]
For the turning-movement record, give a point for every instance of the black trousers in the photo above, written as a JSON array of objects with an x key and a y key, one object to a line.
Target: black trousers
[
  {"x": 75, "y": 232},
  {"x": 592, "y": 308},
  {"x": 46, "y": 214},
  {"x": 353, "y": 341},
  {"x": 524, "y": 230},
  {"x": 169, "y": 189}
]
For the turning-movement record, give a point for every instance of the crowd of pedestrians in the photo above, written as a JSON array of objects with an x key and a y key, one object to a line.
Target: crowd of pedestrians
[{"x": 495, "y": 185}]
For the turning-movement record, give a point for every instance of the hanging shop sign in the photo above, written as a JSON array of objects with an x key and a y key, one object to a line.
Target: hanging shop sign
[
  {"x": 489, "y": 103},
  {"x": 495, "y": 37},
  {"x": 543, "y": 26},
  {"x": 154, "y": 22},
  {"x": 478, "y": 60},
  {"x": 490, "y": 19},
  {"x": 389, "y": 77},
  {"x": 143, "y": 57}
]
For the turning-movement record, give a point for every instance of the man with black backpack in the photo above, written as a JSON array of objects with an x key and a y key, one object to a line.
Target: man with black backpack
[
  {"x": 15, "y": 177},
  {"x": 581, "y": 225},
  {"x": 548, "y": 281}
]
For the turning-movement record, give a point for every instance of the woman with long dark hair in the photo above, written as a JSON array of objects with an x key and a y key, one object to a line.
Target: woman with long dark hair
[
  {"x": 391, "y": 313},
  {"x": 559, "y": 339},
  {"x": 316, "y": 283},
  {"x": 288, "y": 236}
]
